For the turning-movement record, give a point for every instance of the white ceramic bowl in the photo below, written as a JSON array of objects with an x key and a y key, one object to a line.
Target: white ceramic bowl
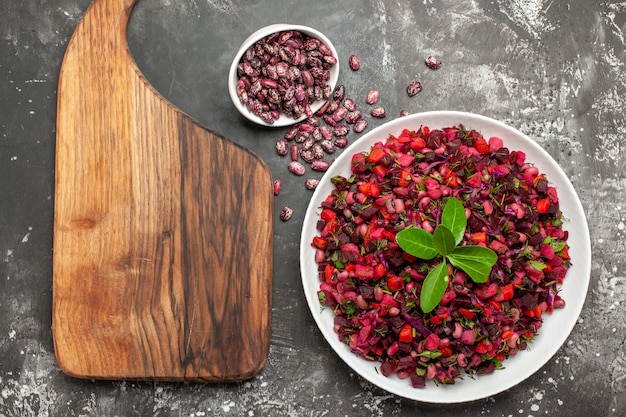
[
  {"x": 252, "y": 39},
  {"x": 557, "y": 325}
]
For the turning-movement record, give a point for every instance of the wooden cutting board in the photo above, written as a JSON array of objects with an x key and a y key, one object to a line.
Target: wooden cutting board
[{"x": 162, "y": 228}]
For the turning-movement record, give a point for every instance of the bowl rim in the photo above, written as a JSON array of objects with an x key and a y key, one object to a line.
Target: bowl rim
[{"x": 256, "y": 36}]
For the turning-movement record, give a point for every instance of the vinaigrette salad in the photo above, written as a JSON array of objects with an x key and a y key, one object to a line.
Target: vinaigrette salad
[{"x": 373, "y": 286}]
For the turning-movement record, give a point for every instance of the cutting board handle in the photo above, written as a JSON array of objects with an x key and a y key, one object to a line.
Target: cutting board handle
[{"x": 163, "y": 229}]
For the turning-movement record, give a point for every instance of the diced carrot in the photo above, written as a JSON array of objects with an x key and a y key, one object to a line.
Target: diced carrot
[
  {"x": 320, "y": 242},
  {"x": 481, "y": 145},
  {"x": 406, "y": 334},
  {"x": 376, "y": 154},
  {"x": 543, "y": 205},
  {"x": 395, "y": 283}
]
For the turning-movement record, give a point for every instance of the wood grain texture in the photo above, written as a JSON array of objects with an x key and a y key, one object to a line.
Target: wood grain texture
[{"x": 163, "y": 228}]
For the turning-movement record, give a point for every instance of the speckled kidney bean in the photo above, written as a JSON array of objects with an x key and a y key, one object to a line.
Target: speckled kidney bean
[
  {"x": 433, "y": 62},
  {"x": 340, "y": 92},
  {"x": 334, "y": 105},
  {"x": 349, "y": 104},
  {"x": 286, "y": 213},
  {"x": 372, "y": 96},
  {"x": 294, "y": 152},
  {"x": 414, "y": 88},
  {"x": 353, "y": 116},
  {"x": 340, "y": 114},
  {"x": 322, "y": 110},
  {"x": 378, "y": 112},
  {"x": 296, "y": 168},
  {"x": 360, "y": 125},
  {"x": 316, "y": 134},
  {"x": 341, "y": 130},
  {"x": 308, "y": 143},
  {"x": 314, "y": 121},
  {"x": 318, "y": 151},
  {"x": 341, "y": 141},
  {"x": 326, "y": 132},
  {"x": 404, "y": 113},
  {"x": 311, "y": 183},
  {"x": 329, "y": 120},
  {"x": 291, "y": 132},
  {"x": 328, "y": 146},
  {"x": 276, "y": 186},
  {"x": 307, "y": 155},
  {"x": 305, "y": 127},
  {"x": 354, "y": 63},
  {"x": 282, "y": 147},
  {"x": 301, "y": 136},
  {"x": 320, "y": 165}
]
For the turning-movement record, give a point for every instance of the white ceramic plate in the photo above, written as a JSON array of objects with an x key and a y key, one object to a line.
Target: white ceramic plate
[
  {"x": 556, "y": 327},
  {"x": 251, "y": 40}
]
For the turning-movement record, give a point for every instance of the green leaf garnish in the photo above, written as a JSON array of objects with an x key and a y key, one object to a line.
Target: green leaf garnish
[
  {"x": 434, "y": 286},
  {"x": 476, "y": 261},
  {"x": 443, "y": 240},
  {"x": 416, "y": 242},
  {"x": 453, "y": 217}
]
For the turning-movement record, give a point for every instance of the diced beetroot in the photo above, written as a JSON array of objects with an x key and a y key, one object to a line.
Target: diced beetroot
[
  {"x": 405, "y": 160},
  {"x": 364, "y": 272}
]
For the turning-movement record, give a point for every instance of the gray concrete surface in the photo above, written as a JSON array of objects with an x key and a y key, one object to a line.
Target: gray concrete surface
[{"x": 554, "y": 70}]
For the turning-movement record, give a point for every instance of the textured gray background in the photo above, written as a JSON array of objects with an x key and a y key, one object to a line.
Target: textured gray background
[{"x": 552, "y": 69}]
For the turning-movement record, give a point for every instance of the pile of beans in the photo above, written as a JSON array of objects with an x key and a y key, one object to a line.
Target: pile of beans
[{"x": 282, "y": 75}]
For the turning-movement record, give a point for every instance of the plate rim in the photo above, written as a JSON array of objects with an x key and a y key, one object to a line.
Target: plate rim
[{"x": 567, "y": 316}]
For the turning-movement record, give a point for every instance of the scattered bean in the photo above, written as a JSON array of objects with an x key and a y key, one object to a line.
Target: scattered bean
[
  {"x": 308, "y": 143},
  {"x": 340, "y": 114},
  {"x": 296, "y": 168},
  {"x": 318, "y": 151},
  {"x": 320, "y": 165},
  {"x": 433, "y": 62},
  {"x": 291, "y": 133},
  {"x": 378, "y": 112},
  {"x": 341, "y": 130},
  {"x": 301, "y": 137},
  {"x": 328, "y": 146},
  {"x": 282, "y": 146},
  {"x": 307, "y": 155},
  {"x": 326, "y": 132},
  {"x": 276, "y": 186},
  {"x": 353, "y": 116},
  {"x": 305, "y": 127},
  {"x": 414, "y": 88},
  {"x": 340, "y": 92},
  {"x": 311, "y": 183},
  {"x": 322, "y": 110},
  {"x": 349, "y": 104},
  {"x": 317, "y": 134},
  {"x": 341, "y": 141},
  {"x": 286, "y": 213},
  {"x": 360, "y": 125},
  {"x": 372, "y": 96},
  {"x": 354, "y": 62},
  {"x": 294, "y": 152},
  {"x": 334, "y": 105},
  {"x": 329, "y": 120}
]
